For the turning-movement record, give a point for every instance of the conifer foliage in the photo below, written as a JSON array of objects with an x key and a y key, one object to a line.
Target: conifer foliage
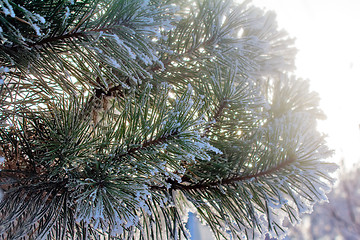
[{"x": 118, "y": 117}]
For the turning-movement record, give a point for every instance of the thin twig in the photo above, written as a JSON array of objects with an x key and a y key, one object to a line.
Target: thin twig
[
  {"x": 19, "y": 19},
  {"x": 216, "y": 117},
  {"x": 67, "y": 36},
  {"x": 147, "y": 144}
]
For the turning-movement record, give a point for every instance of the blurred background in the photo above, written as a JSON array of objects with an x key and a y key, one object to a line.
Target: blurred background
[{"x": 327, "y": 36}]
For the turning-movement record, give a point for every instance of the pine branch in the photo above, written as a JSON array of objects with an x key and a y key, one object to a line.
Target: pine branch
[
  {"x": 17, "y": 18},
  {"x": 57, "y": 38},
  {"x": 68, "y": 36},
  {"x": 227, "y": 181},
  {"x": 220, "y": 110},
  {"x": 165, "y": 64},
  {"x": 216, "y": 117},
  {"x": 152, "y": 138},
  {"x": 147, "y": 144}
]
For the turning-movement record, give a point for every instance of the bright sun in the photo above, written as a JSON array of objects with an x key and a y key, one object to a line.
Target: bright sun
[{"x": 328, "y": 40}]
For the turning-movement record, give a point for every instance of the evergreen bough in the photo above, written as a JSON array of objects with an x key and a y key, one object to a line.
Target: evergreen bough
[{"x": 118, "y": 117}]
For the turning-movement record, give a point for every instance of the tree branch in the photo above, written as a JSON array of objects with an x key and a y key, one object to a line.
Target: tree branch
[
  {"x": 147, "y": 144},
  {"x": 216, "y": 117},
  {"x": 200, "y": 186},
  {"x": 57, "y": 38},
  {"x": 67, "y": 36}
]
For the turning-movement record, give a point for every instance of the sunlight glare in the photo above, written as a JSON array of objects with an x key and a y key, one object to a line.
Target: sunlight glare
[{"x": 328, "y": 39}]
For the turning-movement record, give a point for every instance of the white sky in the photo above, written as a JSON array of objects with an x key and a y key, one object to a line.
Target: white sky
[{"x": 328, "y": 40}]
